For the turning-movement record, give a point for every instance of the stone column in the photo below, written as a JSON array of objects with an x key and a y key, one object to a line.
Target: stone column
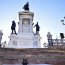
[
  {"x": 20, "y": 27},
  {"x": 31, "y": 27},
  {"x": 0, "y": 37}
]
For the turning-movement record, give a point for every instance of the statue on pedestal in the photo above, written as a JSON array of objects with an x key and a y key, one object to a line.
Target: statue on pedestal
[
  {"x": 26, "y": 6},
  {"x": 37, "y": 28},
  {"x": 13, "y": 27}
]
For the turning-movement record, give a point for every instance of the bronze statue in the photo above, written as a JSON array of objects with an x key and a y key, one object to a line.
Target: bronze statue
[
  {"x": 37, "y": 28},
  {"x": 26, "y": 6},
  {"x": 13, "y": 27}
]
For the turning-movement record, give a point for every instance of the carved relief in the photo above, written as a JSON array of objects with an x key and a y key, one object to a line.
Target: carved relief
[{"x": 26, "y": 25}]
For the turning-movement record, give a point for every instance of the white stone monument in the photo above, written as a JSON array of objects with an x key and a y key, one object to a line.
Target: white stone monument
[
  {"x": 49, "y": 38},
  {"x": 25, "y": 37}
]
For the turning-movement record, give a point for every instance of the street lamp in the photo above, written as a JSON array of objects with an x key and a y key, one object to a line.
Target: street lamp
[
  {"x": 61, "y": 34},
  {"x": 63, "y": 21}
]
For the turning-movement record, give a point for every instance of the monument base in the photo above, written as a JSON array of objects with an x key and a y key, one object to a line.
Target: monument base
[
  {"x": 25, "y": 37},
  {"x": 24, "y": 41}
]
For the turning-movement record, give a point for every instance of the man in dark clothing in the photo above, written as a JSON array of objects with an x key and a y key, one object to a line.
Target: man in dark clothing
[{"x": 25, "y": 62}]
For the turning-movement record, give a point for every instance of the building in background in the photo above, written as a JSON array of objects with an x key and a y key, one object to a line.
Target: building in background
[{"x": 56, "y": 41}]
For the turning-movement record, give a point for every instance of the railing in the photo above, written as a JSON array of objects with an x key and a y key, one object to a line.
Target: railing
[{"x": 58, "y": 41}]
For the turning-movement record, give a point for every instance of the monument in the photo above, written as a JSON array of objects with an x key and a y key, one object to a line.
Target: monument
[
  {"x": 50, "y": 41},
  {"x": 25, "y": 38}
]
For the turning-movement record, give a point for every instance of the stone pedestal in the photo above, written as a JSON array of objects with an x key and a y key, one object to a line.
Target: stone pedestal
[{"x": 25, "y": 37}]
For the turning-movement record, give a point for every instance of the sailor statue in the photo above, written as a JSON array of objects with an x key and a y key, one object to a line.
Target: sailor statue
[{"x": 26, "y": 6}]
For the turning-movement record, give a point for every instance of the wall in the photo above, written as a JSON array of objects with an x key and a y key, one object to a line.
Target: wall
[{"x": 34, "y": 56}]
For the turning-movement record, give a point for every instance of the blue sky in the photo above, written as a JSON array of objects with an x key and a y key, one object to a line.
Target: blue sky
[{"x": 48, "y": 13}]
